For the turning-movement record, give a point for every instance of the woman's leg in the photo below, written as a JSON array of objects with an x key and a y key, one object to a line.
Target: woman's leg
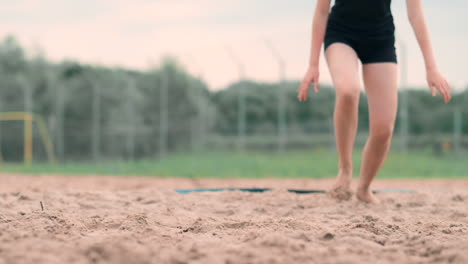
[
  {"x": 343, "y": 64},
  {"x": 381, "y": 84}
]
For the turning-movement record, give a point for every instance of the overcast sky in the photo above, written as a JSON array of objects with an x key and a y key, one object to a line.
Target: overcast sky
[{"x": 138, "y": 33}]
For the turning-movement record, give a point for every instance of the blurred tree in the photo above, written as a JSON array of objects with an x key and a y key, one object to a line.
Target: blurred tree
[{"x": 127, "y": 116}]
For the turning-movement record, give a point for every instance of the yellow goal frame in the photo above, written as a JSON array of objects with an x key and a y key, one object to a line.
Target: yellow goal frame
[{"x": 28, "y": 119}]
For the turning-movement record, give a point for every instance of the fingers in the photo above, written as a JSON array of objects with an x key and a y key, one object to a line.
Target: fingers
[
  {"x": 442, "y": 86},
  {"x": 304, "y": 88},
  {"x": 433, "y": 89},
  {"x": 304, "y": 94},
  {"x": 443, "y": 89},
  {"x": 448, "y": 89},
  {"x": 303, "y": 91}
]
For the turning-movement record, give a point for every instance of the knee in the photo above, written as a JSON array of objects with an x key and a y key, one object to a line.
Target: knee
[
  {"x": 347, "y": 92},
  {"x": 382, "y": 132}
]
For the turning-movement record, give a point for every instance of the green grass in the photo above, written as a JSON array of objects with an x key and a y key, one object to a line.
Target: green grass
[{"x": 297, "y": 164}]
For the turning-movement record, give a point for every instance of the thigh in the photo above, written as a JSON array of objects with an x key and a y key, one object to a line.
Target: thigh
[
  {"x": 343, "y": 64},
  {"x": 381, "y": 84}
]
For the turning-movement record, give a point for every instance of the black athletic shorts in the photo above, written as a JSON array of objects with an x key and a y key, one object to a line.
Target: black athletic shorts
[{"x": 372, "y": 44}]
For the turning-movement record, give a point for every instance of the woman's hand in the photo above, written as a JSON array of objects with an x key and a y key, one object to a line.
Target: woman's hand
[
  {"x": 312, "y": 76},
  {"x": 437, "y": 82}
]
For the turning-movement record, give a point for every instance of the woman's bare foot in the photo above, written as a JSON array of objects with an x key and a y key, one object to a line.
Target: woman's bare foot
[
  {"x": 341, "y": 190},
  {"x": 365, "y": 195}
]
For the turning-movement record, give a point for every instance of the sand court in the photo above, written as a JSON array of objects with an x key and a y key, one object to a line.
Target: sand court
[{"x": 105, "y": 219}]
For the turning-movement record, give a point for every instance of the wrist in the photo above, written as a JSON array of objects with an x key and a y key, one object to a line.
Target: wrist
[
  {"x": 313, "y": 65},
  {"x": 431, "y": 68}
]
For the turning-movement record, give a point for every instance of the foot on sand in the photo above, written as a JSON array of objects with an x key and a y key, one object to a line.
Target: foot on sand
[
  {"x": 340, "y": 193},
  {"x": 341, "y": 190},
  {"x": 365, "y": 195}
]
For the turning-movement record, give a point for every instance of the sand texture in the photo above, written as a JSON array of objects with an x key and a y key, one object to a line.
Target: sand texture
[{"x": 103, "y": 219}]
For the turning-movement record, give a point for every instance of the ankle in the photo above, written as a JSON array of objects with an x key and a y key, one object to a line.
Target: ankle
[
  {"x": 347, "y": 171},
  {"x": 362, "y": 189}
]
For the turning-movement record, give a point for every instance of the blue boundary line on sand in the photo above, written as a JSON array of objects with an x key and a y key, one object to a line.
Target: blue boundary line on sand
[
  {"x": 253, "y": 190},
  {"x": 261, "y": 190}
]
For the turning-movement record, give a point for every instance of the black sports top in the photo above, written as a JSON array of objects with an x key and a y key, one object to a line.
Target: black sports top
[{"x": 362, "y": 13}]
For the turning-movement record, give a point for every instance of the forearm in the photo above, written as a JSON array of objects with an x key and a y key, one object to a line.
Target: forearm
[
  {"x": 418, "y": 22},
  {"x": 318, "y": 33}
]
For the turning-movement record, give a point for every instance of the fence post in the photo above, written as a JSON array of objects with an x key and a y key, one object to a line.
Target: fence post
[
  {"x": 96, "y": 119},
  {"x": 281, "y": 113},
  {"x": 59, "y": 123},
  {"x": 163, "y": 111},
  {"x": 130, "y": 142},
  {"x": 28, "y": 108},
  {"x": 457, "y": 129}
]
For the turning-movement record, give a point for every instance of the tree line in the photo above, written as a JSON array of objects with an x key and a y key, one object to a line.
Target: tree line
[{"x": 98, "y": 112}]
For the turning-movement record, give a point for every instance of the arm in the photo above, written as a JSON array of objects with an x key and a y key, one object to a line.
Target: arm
[
  {"x": 435, "y": 79},
  {"x": 322, "y": 10},
  {"x": 318, "y": 30}
]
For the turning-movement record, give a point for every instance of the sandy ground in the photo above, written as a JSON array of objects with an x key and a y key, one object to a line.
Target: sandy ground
[{"x": 94, "y": 219}]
